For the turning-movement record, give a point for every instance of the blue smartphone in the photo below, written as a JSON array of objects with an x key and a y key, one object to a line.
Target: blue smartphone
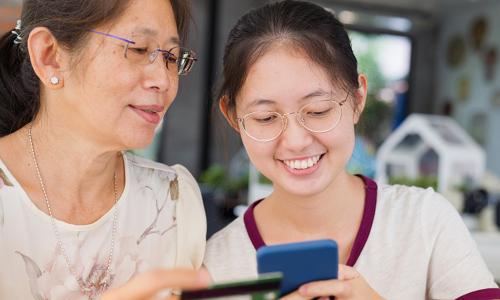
[{"x": 299, "y": 263}]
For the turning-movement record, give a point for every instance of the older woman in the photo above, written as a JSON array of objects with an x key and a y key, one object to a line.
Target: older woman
[{"x": 80, "y": 82}]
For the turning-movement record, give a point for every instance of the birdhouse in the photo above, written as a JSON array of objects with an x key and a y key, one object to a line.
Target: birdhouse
[{"x": 433, "y": 148}]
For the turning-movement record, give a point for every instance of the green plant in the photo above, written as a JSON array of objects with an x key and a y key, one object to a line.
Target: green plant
[
  {"x": 423, "y": 181},
  {"x": 264, "y": 180},
  {"x": 216, "y": 177},
  {"x": 213, "y": 177}
]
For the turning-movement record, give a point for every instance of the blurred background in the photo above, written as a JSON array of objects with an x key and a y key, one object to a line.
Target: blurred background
[{"x": 432, "y": 113}]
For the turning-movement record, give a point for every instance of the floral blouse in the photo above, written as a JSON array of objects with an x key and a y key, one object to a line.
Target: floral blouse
[{"x": 160, "y": 223}]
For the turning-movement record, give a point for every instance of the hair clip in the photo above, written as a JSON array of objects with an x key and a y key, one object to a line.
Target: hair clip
[{"x": 17, "y": 33}]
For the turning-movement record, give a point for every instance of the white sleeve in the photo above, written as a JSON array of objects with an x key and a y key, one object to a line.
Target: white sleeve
[
  {"x": 191, "y": 221},
  {"x": 456, "y": 268}
]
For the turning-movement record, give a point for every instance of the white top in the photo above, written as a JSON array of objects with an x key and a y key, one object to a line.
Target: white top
[
  {"x": 155, "y": 228},
  {"x": 411, "y": 244}
]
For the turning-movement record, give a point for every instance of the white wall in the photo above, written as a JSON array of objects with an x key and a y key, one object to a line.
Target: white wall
[{"x": 458, "y": 22}]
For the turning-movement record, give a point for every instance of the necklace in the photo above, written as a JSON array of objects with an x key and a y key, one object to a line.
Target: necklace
[{"x": 104, "y": 280}]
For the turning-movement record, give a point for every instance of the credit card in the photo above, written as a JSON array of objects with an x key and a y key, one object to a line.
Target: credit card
[{"x": 265, "y": 287}]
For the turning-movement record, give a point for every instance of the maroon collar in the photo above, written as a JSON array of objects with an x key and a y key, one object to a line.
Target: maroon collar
[{"x": 361, "y": 236}]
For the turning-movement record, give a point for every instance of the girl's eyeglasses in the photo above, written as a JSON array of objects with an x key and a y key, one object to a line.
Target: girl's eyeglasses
[
  {"x": 318, "y": 117},
  {"x": 143, "y": 50}
]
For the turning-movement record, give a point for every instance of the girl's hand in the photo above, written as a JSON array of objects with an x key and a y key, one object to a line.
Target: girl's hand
[
  {"x": 349, "y": 285},
  {"x": 147, "y": 285}
]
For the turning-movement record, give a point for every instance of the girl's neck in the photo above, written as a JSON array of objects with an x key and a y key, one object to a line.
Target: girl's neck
[{"x": 335, "y": 212}]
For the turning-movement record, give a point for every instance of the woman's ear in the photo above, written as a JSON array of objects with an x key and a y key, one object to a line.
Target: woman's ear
[
  {"x": 46, "y": 57},
  {"x": 360, "y": 96},
  {"x": 229, "y": 115}
]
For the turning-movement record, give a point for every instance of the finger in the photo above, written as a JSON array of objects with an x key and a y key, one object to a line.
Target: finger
[
  {"x": 147, "y": 284},
  {"x": 325, "y": 288},
  {"x": 293, "y": 296},
  {"x": 347, "y": 273}
]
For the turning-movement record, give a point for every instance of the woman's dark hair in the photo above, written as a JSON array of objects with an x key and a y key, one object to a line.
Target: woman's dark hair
[
  {"x": 69, "y": 22},
  {"x": 307, "y": 26}
]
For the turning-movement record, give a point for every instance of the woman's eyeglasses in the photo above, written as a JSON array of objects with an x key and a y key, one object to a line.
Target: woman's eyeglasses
[
  {"x": 318, "y": 116},
  {"x": 144, "y": 50}
]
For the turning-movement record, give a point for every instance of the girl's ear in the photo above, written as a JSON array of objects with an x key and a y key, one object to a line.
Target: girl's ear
[
  {"x": 229, "y": 115},
  {"x": 360, "y": 96}
]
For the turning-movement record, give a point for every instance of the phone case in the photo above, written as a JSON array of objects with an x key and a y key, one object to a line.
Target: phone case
[{"x": 299, "y": 262}]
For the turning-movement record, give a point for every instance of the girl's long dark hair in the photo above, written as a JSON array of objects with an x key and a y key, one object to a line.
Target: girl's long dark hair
[{"x": 306, "y": 26}]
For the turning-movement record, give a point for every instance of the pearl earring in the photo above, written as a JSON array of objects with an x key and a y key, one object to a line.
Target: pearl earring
[{"x": 54, "y": 80}]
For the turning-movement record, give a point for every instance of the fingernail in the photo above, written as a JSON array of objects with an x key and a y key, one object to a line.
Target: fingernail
[{"x": 303, "y": 290}]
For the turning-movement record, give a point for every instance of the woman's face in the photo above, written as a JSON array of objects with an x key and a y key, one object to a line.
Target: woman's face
[
  {"x": 298, "y": 162},
  {"x": 113, "y": 100}
]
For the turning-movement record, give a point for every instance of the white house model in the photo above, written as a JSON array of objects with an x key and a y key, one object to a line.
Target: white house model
[{"x": 430, "y": 146}]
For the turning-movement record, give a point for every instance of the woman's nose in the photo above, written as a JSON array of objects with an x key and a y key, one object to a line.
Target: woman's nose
[{"x": 159, "y": 76}]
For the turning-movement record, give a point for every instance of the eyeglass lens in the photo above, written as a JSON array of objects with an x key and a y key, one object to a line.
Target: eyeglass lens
[{"x": 145, "y": 51}]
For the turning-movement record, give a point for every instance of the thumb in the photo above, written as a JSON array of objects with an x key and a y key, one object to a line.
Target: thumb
[{"x": 347, "y": 273}]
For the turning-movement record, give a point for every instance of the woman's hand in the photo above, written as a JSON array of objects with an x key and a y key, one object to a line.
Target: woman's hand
[
  {"x": 349, "y": 285},
  {"x": 147, "y": 285}
]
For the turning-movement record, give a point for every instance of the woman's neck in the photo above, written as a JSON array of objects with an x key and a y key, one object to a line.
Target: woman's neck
[
  {"x": 73, "y": 151},
  {"x": 77, "y": 174}
]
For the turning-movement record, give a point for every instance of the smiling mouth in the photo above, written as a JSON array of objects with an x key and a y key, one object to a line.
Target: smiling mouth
[
  {"x": 150, "y": 114},
  {"x": 148, "y": 108},
  {"x": 302, "y": 164}
]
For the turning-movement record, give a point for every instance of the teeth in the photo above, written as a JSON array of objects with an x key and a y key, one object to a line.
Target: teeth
[{"x": 302, "y": 164}]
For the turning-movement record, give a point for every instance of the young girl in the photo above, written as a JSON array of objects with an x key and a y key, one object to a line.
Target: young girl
[{"x": 292, "y": 90}]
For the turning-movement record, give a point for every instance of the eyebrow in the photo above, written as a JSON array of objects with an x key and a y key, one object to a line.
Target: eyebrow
[
  {"x": 317, "y": 93},
  {"x": 154, "y": 33}
]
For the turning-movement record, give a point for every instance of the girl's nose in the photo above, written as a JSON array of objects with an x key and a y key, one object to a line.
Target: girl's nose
[{"x": 295, "y": 136}]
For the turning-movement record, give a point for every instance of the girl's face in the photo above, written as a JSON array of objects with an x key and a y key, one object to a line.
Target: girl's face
[
  {"x": 298, "y": 162},
  {"x": 112, "y": 99}
]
